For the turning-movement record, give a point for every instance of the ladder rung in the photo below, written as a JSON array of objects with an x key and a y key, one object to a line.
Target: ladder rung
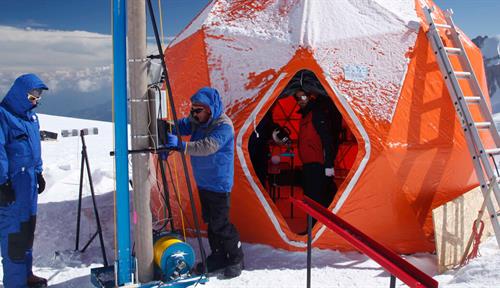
[
  {"x": 493, "y": 151},
  {"x": 481, "y": 125},
  {"x": 462, "y": 74},
  {"x": 444, "y": 26},
  {"x": 472, "y": 99},
  {"x": 453, "y": 50}
]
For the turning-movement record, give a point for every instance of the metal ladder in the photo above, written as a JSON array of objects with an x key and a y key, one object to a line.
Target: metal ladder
[{"x": 488, "y": 179}]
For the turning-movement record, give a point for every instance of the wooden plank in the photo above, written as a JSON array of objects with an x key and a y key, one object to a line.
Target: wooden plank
[{"x": 453, "y": 223}]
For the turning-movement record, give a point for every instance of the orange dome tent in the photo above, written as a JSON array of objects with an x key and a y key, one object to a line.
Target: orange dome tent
[{"x": 407, "y": 152}]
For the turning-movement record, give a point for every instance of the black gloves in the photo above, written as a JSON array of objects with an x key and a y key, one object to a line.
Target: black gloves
[
  {"x": 7, "y": 194},
  {"x": 41, "y": 182}
]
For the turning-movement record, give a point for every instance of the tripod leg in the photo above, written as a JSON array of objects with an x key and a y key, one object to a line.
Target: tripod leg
[
  {"x": 90, "y": 241},
  {"x": 98, "y": 221},
  {"x": 79, "y": 212}
]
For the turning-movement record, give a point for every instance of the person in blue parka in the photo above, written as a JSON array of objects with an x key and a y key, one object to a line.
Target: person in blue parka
[
  {"x": 21, "y": 180},
  {"x": 211, "y": 148}
]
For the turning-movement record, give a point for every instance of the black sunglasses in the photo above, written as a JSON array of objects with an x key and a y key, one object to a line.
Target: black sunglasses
[{"x": 197, "y": 110}]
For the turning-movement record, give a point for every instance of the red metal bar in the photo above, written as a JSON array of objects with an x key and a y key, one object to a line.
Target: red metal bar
[{"x": 390, "y": 261}]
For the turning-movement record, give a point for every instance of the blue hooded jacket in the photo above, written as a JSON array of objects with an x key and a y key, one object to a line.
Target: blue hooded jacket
[
  {"x": 211, "y": 146},
  {"x": 19, "y": 129}
]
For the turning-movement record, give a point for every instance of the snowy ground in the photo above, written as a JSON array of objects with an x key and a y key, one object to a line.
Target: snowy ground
[{"x": 265, "y": 266}]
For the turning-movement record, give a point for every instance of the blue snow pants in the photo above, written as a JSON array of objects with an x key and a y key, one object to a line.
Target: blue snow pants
[{"x": 17, "y": 230}]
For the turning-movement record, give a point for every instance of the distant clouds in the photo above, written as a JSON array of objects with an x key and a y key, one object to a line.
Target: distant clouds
[
  {"x": 88, "y": 79},
  {"x": 75, "y": 60},
  {"x": 32, "y": 23},
  {"x": 66, "y": 60},
  {"x": 75, "y": 65},
  {"x": 151, "y": 41}
]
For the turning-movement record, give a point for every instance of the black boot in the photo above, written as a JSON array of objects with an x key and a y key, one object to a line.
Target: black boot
[
  {"x": 36, "y": 282},
  {"x": 217, "y": 260},
  {"x": 234, "y": 262}
]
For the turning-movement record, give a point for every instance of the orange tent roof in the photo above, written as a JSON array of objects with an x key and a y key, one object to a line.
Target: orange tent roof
[{"x": 374, "y": 60}]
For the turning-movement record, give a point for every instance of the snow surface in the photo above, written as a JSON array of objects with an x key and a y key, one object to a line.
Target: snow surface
[{"x": 265, "y": 266}]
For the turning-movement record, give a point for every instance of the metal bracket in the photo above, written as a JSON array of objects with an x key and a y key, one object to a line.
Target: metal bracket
[
  {"x": 134, "y": 60},
  {"x": 134, "y": 100},
  {"x": 141, "y": 136}
]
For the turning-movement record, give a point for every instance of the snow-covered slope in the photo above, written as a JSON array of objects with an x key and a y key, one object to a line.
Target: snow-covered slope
[{"x": 265, "y": 266}]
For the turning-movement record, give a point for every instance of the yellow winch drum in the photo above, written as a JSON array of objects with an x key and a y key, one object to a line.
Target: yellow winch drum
[{"x": 173, "y": 256}]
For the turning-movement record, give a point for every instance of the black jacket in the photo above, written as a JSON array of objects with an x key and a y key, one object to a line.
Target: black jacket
[{"x": 327, "y": 121}]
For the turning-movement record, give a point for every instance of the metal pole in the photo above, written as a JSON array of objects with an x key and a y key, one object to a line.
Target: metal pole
[
  {"x": 293, "y": 184},
  {"x": 139, "y": 119},
  {"x": 393, "y": 282},
  {"x": 309, "y": 242},
  {"x": 124, "y": 268}
]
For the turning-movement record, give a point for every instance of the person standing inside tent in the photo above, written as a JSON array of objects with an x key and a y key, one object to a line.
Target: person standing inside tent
[
  {"x": 211, "y": 149},
  {"x": 21, "y": 180},
  {"x": 318, "y": 142}
]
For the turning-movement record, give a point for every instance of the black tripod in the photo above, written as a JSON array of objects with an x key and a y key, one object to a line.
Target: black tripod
[{"x": 85, "y": 161}]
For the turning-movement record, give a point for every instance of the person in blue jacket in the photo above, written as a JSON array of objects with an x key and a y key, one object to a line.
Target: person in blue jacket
[
  {"x": 211, "y": 149},
  {"x": 21, "y": 180}
]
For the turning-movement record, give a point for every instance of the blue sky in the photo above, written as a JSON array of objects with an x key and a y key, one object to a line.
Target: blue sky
[
  {"x": 476, "y": 17},
  {"x": 68, "y": 43},
  {"x": 89, "y": 15}
]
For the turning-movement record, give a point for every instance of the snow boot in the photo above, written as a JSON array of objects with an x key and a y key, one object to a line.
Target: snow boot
[
  {"x": 234, "y": 263},
  {"x": 215, "y": 261},
  {"x": 36, "y": 282},
  {"x": 233, "y": 270}
]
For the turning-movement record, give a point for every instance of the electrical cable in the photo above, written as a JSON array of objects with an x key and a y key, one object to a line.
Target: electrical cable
[
  {"x": 179, "y": 203},
  {"x": 166, "y": 193}
]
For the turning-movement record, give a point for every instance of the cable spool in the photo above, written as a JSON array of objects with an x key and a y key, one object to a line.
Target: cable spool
[{"x": 173, "y": 256}]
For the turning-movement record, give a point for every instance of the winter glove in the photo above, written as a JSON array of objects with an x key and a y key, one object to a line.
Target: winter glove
[
  {"x": 173, "y": 142},
  {"x": 41, "y": 182},
  {"x": 329, "y": 172},
  {"x": 7, "y": 194},
  {"x": 164, "y": 127}
]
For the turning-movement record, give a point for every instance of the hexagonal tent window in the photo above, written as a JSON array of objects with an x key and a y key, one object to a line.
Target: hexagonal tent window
[{"x": 295, "y": 142}]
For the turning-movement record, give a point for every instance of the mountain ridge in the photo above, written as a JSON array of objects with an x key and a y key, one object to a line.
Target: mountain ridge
[{"x": 490, "y": 47}]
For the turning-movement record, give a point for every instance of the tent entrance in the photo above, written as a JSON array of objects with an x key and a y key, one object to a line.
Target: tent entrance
[{"x": 276, "y": 162}]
